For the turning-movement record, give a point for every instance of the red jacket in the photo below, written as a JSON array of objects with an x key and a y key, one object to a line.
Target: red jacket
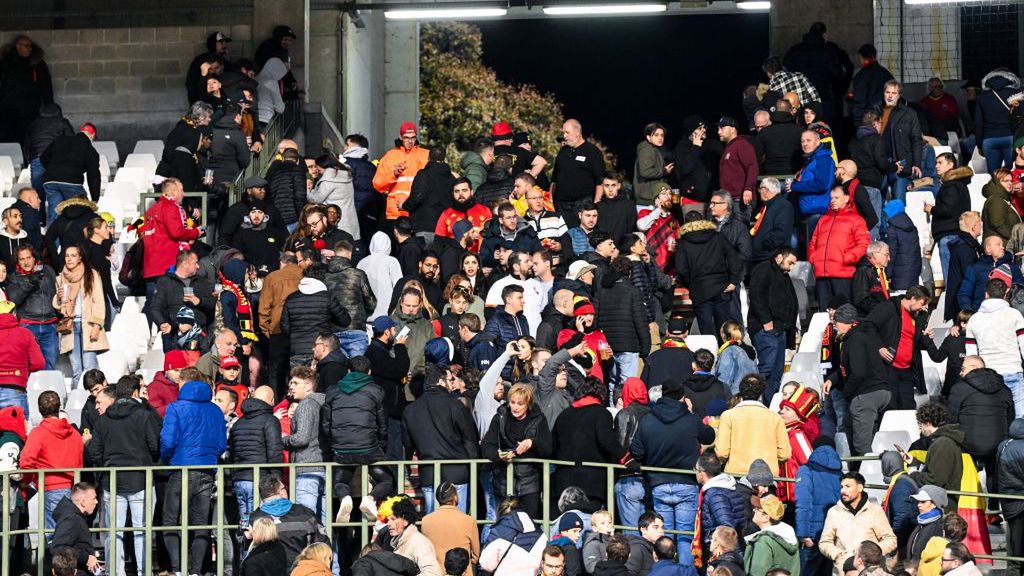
[
  {"x": 840, "y": 240},
  {"x": 801, "y": 448},
  {"x": 161, "y": 392},
  {"x": 164, "y": 234},
  {"x": 53, "y": 444},
  {"x": 20, "y": 355},
  {"x": 477, "y": 215},
  {"x": 738, "y": 167}
]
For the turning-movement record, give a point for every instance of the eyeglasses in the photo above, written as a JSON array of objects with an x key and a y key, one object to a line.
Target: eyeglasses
[
  {"x": 554, "y": 566},
  {"x": 315, "y": 222},
  {"x": 717, "y": 202}
]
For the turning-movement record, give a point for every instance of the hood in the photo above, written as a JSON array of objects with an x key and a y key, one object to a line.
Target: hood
[
  {"x": 8, "y": 321},
  {"x": 51, "y": 110},
  {"x": 634, "y": 390},
  {"x": 993, "y": 305},
  {"x": 196, "y": 391},
  {"x": 355, "y": 152},
  {"x": 951, "y": 431},
  {"x": 961, "y": 173},
  {"x": 826, "y": 458},
  {"x": 781, "y": 118},
  {"x": 721, "y": 481},
  {"x": 234, "y": 270},
  {"x": 902, "y": 222},
  {"x": 333, "y": 357},
  {"x": 782, "y": 533},
  {"x": 470, "y": 158},
  {"x": 512, "y": 527},
  {"x": 66, "y": 508},
  {"x": 866, "y": 132},
  {"x": 253, "y": 407},
  {"x": 1017, "y": 428},
  {"x": 699, "y": 382},
  {"x": 277, "y": 507},
  {"x": 273, "y": 70},
  {"x": 380, "y": 243},
  {"x": 21, "y": 234},
  {"x": 75, "y": 207},
  {"x": 123, "y": 408},
  {"x": 695, "y": 228},
  {"x": 311, "y": 286},
  {"x": 999, "y": 79},
  {"x": 391, "y": 563},
  {"x": 226, "y": 122},
  {"x": 57, "y": 427},
  {"x": 354, "y": 382},
  {"x": 668, "y": 410},
  {"x": 994, "y": 189},
  {"x": 894, "y": 207},
  {"x": 985, "y": 380}
]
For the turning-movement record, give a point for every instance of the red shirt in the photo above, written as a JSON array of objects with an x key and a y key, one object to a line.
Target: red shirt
[
  {"x": 478, "y": 215},
  {"x": 944, "y": 108},
  {"x": 905, "y": 348}
]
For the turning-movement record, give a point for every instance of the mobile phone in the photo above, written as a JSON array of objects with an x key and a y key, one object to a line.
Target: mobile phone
[
  {"x": 515, "y": 346},
  {"x": 403, "y": 332},
  {"x": 899, "y": 449}
]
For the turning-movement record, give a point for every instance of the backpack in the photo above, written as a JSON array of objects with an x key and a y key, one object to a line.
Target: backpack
[{"x": 130, "y": 274}]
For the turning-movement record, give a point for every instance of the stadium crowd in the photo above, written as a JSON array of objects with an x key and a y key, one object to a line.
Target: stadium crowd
[{"x": 352, "y": 311}]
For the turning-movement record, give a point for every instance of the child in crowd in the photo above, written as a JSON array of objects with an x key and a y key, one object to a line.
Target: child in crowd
[{"x": 229, "y": 376}]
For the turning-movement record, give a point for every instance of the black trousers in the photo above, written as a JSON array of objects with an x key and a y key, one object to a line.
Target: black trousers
[
  {"x": 901, "y": 382},
  {"x": 383, "y": 481},
  {"x": 277, "y": 363},
  {"x": 1014, "y": 543},
  {"x": 200, "y": 499}
]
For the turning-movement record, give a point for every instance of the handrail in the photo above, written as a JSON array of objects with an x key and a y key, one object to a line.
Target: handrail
[
  {"x": 279, "y": 127},
  {"x": 292, "y": 470}
]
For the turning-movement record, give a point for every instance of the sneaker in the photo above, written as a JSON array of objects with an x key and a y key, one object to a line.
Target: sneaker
[
  {"x": 369, "y": 508},
  {"x": 345, "y": 511}
]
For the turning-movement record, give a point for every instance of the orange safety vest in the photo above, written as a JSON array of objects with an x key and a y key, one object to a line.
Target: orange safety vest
[{"x": 398, "y": 189}]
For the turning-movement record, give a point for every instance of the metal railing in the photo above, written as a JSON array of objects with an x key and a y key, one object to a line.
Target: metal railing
[
  {"x": 145, "y": 197},
  {"x": 222, "y": 529},
  {"x": 281, "y": 126}
]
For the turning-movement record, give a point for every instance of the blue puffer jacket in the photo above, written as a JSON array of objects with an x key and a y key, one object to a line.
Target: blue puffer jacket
[
  {"x": 505, "y": 327},
  {"x": 722, "y": 506},
  {"x": 904, "y": 268},
  {"x": 817, "y": 490},
  {"x": 194, "y": 430},
  {"x": 972, "y": 288},
  {"x": 814, "y": 182}
]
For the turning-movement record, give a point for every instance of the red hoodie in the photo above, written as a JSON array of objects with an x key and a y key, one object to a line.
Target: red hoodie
[
  {"x": 53, "y": 444},
  {"x": 162, "y": 392},
  {"x": 20, "y": 355}
]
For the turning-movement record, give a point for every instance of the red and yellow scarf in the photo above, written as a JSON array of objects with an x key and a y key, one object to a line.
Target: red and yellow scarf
[{"x": 242, "y": 308}]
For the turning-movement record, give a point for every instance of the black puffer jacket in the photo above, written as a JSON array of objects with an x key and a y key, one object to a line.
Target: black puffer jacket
[
  {"x": 504, "y": 434},
  {"x": 255, "y": 438},
  {"x": 431, "y": 193},
  {"x": 128, "y": 434},
  {"x": 170, "y": 297},
  {"x": 622, "y": 316},
  {"x": 903, "y": 138},
  {"x": 350, "y": 289},
  {"x": 33, "y": 293},
  {"x": 384, "y": 563},
  {"x": 229, "y": 152},
  {"x": 1011, "y": 468},
  {"x": 705, "y": 262},
  {"x": 25, "y": 83},
  {"x": 703, "y": 387},
  {"x": 266, "y": 559},
  {"x": 72, "y": 531},
  {"x": 867, "y": 150},
  {"x": 287, "y": 189},
  {"x": 778, "y": 145},
  {"x": 47, "y": 127},
  {"x": 68, "y": 158},
  {"x": 772, "y": 298},
  {"x": 983, "y": 406},
  {"x": 498, "y": 186},
  {"x": 68, "y": 229},
  {"x": 952, "y": 200},
  {"x": 353, "y": 415},
  {"x": 310, "y": 311},
  {"x": 439, "y": 427}
]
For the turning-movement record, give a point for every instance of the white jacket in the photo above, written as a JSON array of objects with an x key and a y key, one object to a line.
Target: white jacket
[
  {"x": 268, "y": 92},
  {"x": 335, "y": 187},
  {"x": 996, "y": 333},
  {"x": 382, "y": 271},
  {"x": 518, "y": 561}
]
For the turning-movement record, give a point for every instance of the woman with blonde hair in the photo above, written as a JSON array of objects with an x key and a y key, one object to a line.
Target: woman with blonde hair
[
  {"x": 735, "y": 359},
  {"x": 431, "y": 311},
  {"x": 314, "y": 560},
  {"x": 83, "y": 310},
  {"x": 266, "y": 554}
]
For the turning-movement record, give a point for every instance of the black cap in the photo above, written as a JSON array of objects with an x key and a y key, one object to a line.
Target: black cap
[
  {"x": 255, "y": 182},
  {"x": 677, "y": 325},
  {"x": 283, "y": 31},
  {"x": 727, "y": 121},
  {"x": 206, "y": 131},
  {"x": 672, "y": 389}
]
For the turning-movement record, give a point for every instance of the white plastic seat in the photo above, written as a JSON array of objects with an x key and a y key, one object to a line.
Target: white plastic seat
[
  {"x": 810, "y": 341},
  {"x": 942, "y": 150},
  {"x": 115, "y": 207},
  {"x": 810, "y": 379},
  {"x": 800, "y": 287},
  {"x": 130, "y": 305},
  {"x": 153, "y": 360},
  {"x": 842, "y": 445},
  {"x": 76, "y": 401},
  {"x": 154, "y": 147},
  {"x": 706, "y": 341},
  {"x": 804, "y": 362},
  {"x": 776, "y": 402},
  {"x": 25, "y": 176},
  {"x": 905, "y": 420},
  {"x": 872, "y": 472},
  {"x": 113, "y": 364},
  {"x": 804, "y": 271},
  {"x": 39, "y": 382},
  {"x": 143, "y": 160},
  {"x": 134, "y": 175},
  {"x": 978, "y": 181},
  {"x": 13, "y": 149},
  {"x": 886, "y": 440},
  {"x": 7, "y": 173},
  {"x": 978, "y": 163},
  {"x": 125, "y": 192}
]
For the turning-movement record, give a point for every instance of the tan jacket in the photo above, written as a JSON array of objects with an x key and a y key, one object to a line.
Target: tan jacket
[
  {"x": 310, "y": 568},
  {"x": 844, "y": 531},
  {"x": 94, "y": 312},
  {"x": 416, "y": 547},
  {"x": 447, "y": 527},
  {"x": 748, "y": 432},
  {"x": 277, "y": 286}
]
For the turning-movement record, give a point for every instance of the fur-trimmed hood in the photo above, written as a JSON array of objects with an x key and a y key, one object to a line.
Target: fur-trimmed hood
[
  {"x": 998, "y": 79},
  {"x": 958, "y": 173},
  {"x": 76, "y": 201},
  {"x": 697, "y": 226}
]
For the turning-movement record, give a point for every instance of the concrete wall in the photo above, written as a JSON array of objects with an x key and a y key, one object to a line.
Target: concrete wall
[
  {"x": 362, "y": 109},
  {"x": 324, "y": 61},
  {"x": 849, "y": 22},
  {"x": 129, "y": 81}
]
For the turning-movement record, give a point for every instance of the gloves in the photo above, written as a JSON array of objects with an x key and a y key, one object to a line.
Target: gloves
[{"x": 632, "y": 465}]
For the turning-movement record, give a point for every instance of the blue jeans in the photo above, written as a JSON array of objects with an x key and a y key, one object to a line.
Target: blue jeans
[
  {"x": 771, "y": 359},
  {"x": 626, "y": 364},
  {"x": 677, "y": 504},
  {"x": 51, "y": 499},
  {"x": 37, "y": 170},
  {"x": 428, "y": 497},
  {"x": 136, "y": 503},
  {"x": 944, "y": 243},
  {"x": 12, "y": 397},
  {"x": 487, "y": 480},
  {"x": 897, "y": 185},
  {"x": 243, "y": 493},
  {"x": 57, "y": 192},
  {"x": 309, "y": 491},
  {"x": 48, "y": 340},
  {"x": 875, "y": 195},
  {"x": 998, "y": 152},
  {"x": 836, "y": 409},
  {"x": 353, "y": 342},
  {"x": 1015, "y": 382},
  {"x": 629, "y": 500},
  {"x": 80, "y": 359}
]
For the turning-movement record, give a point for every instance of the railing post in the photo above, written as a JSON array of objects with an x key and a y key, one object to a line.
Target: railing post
[
  {"x": 147, "y": 502},
  {"x": 545, "y": 512},
  {"x": 112, "y": 520},
  {"x": 5, "y": 546},
  {"x": 610, "y": 495},
  {"x": 472, "y": 487},
  {"x": 220, "y": 534},
  {"x": 41, "y": 543},
  {"x": 364, "y": 528},
  {"x": 183, "y": 544}
]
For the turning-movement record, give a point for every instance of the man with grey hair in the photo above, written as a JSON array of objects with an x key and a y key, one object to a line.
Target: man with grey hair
[
  {"x": 720, "y": 208},
  {"x": 225, "y": 343},
  {"x": 577, "y": 174},
  {"x": 762, "y": 120},
  {"x": 870, "y": 280},
  {"x": 903, "y": 139},
  {"x": 772, "y": 225}
]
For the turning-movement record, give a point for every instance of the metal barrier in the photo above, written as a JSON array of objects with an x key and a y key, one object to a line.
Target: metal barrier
[
  {"x": 146, "y": 196},
  {"x": 222, "y": 529},
  {"x": 281, "y": 126}
]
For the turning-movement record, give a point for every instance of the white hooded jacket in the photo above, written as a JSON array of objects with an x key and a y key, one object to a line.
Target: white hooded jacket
[
  {"x": 382, "y": 270},
  {"x": 269, "y": 91}
]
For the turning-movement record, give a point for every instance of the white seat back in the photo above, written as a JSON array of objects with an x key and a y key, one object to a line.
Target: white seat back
[
  {"x": 143, "y": 160},
  {"x": 804, "y": 362},
  {"x": 887, "y": 439},
  {"x": 13, "y": 149},
  {"x": 915, "y": 211},
  {"x": 978, "y": 163},
  {"x": 154, "y": 147},
  {"x": 810, "y": 379},
  {"x": 905, "y": 420},
  {"x": 706, "y": 341},
  {"x": 978, "y": 182},
  {"x": 113, "y": 364},
  {"x": 108, "y": 148},
  {"x": 39, "y": 382},
  {"x": 810, "y": 341}
]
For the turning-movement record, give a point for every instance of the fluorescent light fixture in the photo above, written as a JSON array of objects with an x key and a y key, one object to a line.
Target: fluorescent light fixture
[
  {"x": 444, "y": 13},
  {"x": 758, "y": 5},
  {"x": 939, "y": 1},
  {"x": 603, "y": 9}
]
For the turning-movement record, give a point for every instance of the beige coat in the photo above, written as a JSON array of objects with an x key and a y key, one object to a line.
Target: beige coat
[
  {"x": 447, "y": 527},
  {"x": 748, "y": 432},
  {"x": 94, "y": 313},
  {"x": 416, "y": 547},
  {"x": 844, "y": 531}
]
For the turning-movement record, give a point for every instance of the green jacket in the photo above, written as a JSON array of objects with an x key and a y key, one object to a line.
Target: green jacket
[
  {"x": 944, "y": 464},
  {"x": 474, "y": 169},
  {"x": 648, "y": 172},
  {"x": 998, "y": 216},
  {"x": 772, "y": 547}
]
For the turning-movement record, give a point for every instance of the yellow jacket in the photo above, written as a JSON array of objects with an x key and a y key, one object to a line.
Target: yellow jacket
[
  {"x": 750, "y": 431},
  {"x": 931, "y": 557}
]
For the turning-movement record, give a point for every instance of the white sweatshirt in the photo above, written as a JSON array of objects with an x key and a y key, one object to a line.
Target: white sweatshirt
[{"x": 996, "y": 333}]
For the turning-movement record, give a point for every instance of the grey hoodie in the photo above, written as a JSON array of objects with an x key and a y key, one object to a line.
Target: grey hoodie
[
  {"x": 382, "y": 270},
  {"x": 269, "y": 92},
  {"x": 304, "y": 441}
]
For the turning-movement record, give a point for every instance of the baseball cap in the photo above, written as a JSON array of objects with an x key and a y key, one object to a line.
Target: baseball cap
[
  {"x": 578, "y": 269},
  {"x": 727, "y": 121},
  {"x": 933, "y": 493},
  {"x": 501, "y": 129},
  {"x": 230, "y": 362},
  {"x": 406, "y": 127},
  {"x": 176, "y": 360},
  {"x": 255, "y": 182},
  {"x": 382, "y": 323},
  {"x": 89, "y": 128},
  {"x": 677, "y": 325},
  {"x": 220, "y": 37},
  {"x": 773, "y": 507}
]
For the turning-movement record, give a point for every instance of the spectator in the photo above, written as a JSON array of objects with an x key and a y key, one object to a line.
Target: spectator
[
  {"x": 641, "y": 548},
  {"x": 839, "y": 241},
  {"x": 428, "y": 271},
  {"x": 410, "y": 314},
  {"x": 70, "y": 161},
  {"x": 30, "y": 205},
  {"x": 166, "y": 234},
  {"x": 900, "y": 329},
  {"x": 79, "y": 298},
  {"x": 630, "y": 487},
  {"x": 964, "y": 251},
  {"x": 310, "y": 311},
  {"x": 691, "y": 172},
  {"x": 41, "y": 132},
  {"x": 268, "y": 91},
  {"x": 128, "y": 434},
  {"x": 1010, "y": 455},
  {"x": 287, "y": 187},
  {"x": 383, "y": 272},
  {"x": 98, "y": 252},
  {"x": 902, "y": 135},
  {"x": 431, "y": 192},
  {"x": 331, "y": 362},
  {"x": 943, "y": 465},
  {"x": 438, "y": 427},
  {"x": 815, "y": 179},
  {"x": 867, "y": 203},
  {"x": 32, "y": 288},
  {"x": 350, "y": 289},
  {"x": 624, "y": 322},
  {"x": 406, "y": 539},
  {"x": 259, "y": 239},
  {"x": 738, "y": 167},
  {"x": 868, "y": 84},
  {"x": 733, "y": 226},
  {"x": 194, "y": 434},
  {"x": 69, "y": 228},
  {"x": 225, "y": 345},
  {"x": 650, "y": 168},
  {"x": 255, "y": 438},
  {"x": 163, "y": 390},
  {"x": 782, "y": 81},
  {"x": 673, "y": 359},
  {"x": 983, "y": 406},
  {"x": 854, "y": 519},
  {"x": 750, "y": 431},
  {"x": 798, "y": 411},
  {"x": 772, "y": 225},
  {"x": 209, "y": 63},
  {"x": 816, "y": 490},
  {"x": 778, "y": 144},
  {"x": 516, "y": 539},
  {"x": 952, "y": 200},
  {"x": 303, "y": 443},
  {"x": 20, "y": 357},
  {"x": 999, "y": 215},
  {"x": 900, "y": 509},
  {"x": 552, "y": 231},
  {"x": 659, "y": 226},
  {"x": 996, "y": 334},
  {"x": 525, "y": 159},
  {"x": 774, "y": 545},
  {"x": 462, "y": 207},
  {"x": 570, "y": 532},
  {"x": 53, "y": 444},
  {"x": 711, "y": 269},
  {"x": 297, "y": 526},
  {"x": 702, "y": 388},
  {"x": 577, "y": 173},
  {"x": 724, "y": 554},
  {"x": 266, "y": 555},
  {"x": 996, "y": 263},
  {"x": 930, "y": 501},
  {"x": 335, "y": 188},
  {"x": 992, "y": 130},
  {"x": 904, "y": 269},
  {"x": 474, "y": 162},
  {"x": 958, "y": 561},
  {"x": 71, "y": 521},
  {"x": 354, "y": 421},
  {"x": 409, "y": 247},
  {"x": 372, "y": 561},
  {"x": 12, "y": 235},
  {"x": 861, "y": 378},
  {"x": 449, "y": 528},
  {"x": 868, "y": 153},
  {"x": 397, "y": 170},
  {"x": 277, "y": 286},
  {"x": 229, "y": 152},
  {"x": 773, "y": 313},
  {"x": 509, "y": 323},
  {"x": 616, "y": 213},
  {"x": 601, "y": 533},
  {"x": 720, "y": 505},
  {"x": 236, "y": 215},
  {"x": 456, "y": 561}
]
